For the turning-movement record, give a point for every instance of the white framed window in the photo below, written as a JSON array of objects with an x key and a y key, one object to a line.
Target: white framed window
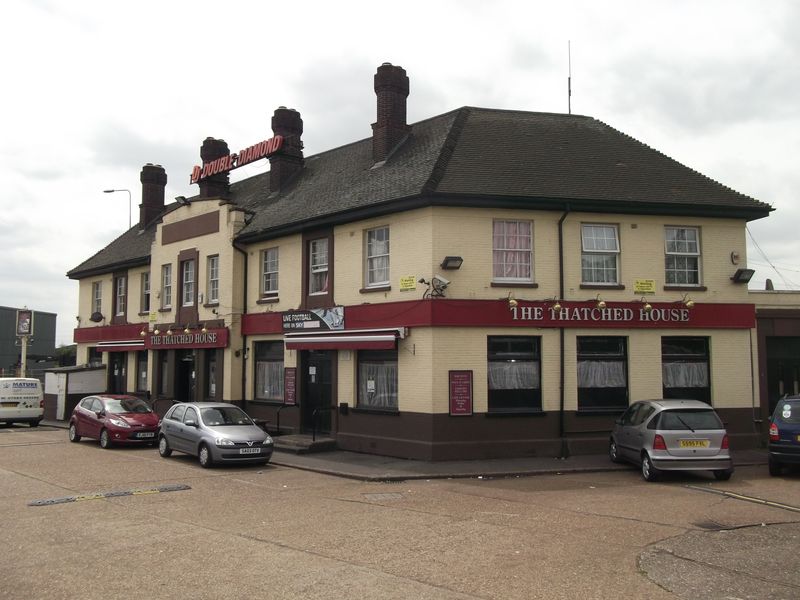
[
  {"x": 166, "y": 286},
  {"x": 269, "y": 272},
  {"x": 187, "y": 283},
  {"x": 599, "y": 254},
  {"x": 145, "y": 301},
  {"x": 682, "y": 255},
  {"x": 120, "y": 294},
  {"x": 318, "y": 266},
  {"x": 97, "y": 297},
  {"x": 512, "y": 251},
  {"x": 377, "y": 257},
  {"x": 212, "y": 289}
]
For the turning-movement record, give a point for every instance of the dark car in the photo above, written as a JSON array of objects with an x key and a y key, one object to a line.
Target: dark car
[
  {"x": 784, "y": 435},
  {"x": 671, "y": 435},
  {"x": 214, "y": 432},
  {"x": 113, "y": 419}
]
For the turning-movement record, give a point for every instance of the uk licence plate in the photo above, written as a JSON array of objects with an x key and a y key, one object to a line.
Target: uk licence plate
[
  {"x": 249, "y": 450},
  {"x": 146, "y": 434},
  {"x": 693, "y": 443}
]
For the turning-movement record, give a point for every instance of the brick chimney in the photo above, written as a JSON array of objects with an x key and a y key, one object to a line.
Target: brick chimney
[
  {"x": 391, "y": 87},
  {"x": 154, "y": 180},
  {"x": 288, "y": 161},
  {"x": 219, "y": 184}
]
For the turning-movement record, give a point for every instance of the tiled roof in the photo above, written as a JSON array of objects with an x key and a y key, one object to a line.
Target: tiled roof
[{"x": 476, "y": 156}]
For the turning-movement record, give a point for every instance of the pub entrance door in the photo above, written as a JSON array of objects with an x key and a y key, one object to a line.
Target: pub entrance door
[
  {"x": 185, "y": 376},
  {"x": 317, "y": 373}
]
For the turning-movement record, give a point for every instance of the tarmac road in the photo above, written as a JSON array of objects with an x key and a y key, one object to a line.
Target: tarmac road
[{"x": 282, "y": 532}]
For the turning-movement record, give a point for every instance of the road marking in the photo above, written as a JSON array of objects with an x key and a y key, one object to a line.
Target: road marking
[
  {"x": 753, "y": 499},
  {"x": 171, "y": 487}
]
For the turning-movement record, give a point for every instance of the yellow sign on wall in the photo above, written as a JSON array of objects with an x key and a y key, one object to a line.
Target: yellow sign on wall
[
  {"x": 644, "y": 286},
  {"x": 408, "y": 283}
]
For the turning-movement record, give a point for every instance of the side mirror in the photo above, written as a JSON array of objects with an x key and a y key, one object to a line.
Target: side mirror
[
  {"x": 100, "y": 414},
  {"x": 190, "y": 423},
  {"x": 618, "y": 421}
]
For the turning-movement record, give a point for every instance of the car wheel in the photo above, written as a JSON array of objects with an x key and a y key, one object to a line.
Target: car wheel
[
  {"x": 204, "y": 456},
  {"x": 105, "y": 440},
  {"x": 723, "y": 474},
  {"x": 73, "y": 433},
  {"x": 649, "y": 472},
  {"x": 613, "y": 452},
  {"x": 34, "y": 423},
  {"x": 775, "y": 468},
  {"x": 163, "y": 447}
]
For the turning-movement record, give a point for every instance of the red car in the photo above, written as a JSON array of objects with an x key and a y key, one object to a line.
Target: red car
[{"x": 113, "y": 420}]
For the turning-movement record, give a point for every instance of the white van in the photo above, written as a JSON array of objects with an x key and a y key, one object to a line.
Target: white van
[{"x": 21, "y": 400}]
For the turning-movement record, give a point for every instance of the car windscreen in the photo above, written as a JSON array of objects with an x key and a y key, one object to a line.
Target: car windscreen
[
  {"x": 127, "y": 405},
  {"x": 787, "y": 411},
  {"x": 687, "y": 419},
  {"x": 224, "y": 415}
]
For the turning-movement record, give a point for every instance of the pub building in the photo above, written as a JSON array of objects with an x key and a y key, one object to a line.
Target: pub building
[{"x": 481, "y": 283}]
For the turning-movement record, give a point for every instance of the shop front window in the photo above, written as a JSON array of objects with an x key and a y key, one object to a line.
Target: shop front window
[
  {"x": 377, "y": 379},
  {"x": 269, "y": 371},
  {"x": 211, "y": 374},
  {"x": 514, "y": 374},
  {"x": 602, "y": 373},
  {"x": 685, "y": 368}
]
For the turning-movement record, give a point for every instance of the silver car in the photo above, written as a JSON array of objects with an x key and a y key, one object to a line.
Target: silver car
[
  {"x": 214, "y": 432},
  {"x": 671, "y": 435}
]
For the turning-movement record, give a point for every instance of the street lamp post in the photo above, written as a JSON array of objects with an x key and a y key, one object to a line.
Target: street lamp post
[{"x": 130, "y": 203}]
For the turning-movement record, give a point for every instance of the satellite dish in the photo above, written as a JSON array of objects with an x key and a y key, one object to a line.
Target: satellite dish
[{"x": 96, "y": 317}]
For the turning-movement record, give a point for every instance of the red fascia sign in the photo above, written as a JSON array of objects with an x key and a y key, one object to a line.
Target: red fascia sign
[{"x": 226, "y": 163}]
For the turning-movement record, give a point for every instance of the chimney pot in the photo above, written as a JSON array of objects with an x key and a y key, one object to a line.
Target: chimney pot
[
  {"x": 154, "y": 180},
  {"x": 288, "y": 161},
  {"x": 390, "y": 128},
  {"x": 219, "y": 184}
]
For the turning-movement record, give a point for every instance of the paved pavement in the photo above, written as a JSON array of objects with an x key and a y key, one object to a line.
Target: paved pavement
[{"x": 368, "y": 467}]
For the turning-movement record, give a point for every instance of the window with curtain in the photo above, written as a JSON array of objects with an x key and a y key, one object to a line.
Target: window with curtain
[
  {"x": 211, "y": 374},
  {"x": 145, "y": 303},
  {"x": 377, "y": 379},
  {"x": 512, "y": 251},
  {"x": 212, "y": 293},
  {"x": 318, "y": 266},
  {"x": 514, "y": 374},
  {"x": 97, "y": 297},
  {"x": 269, "y": 371},
  {"x": 685, "y": 368},
  {"x": 187, "y": 283},
  {"x": 682, "y": 261},
  {"x": 599, "y": 254},
  {"x": 166, "y": 286},
  {"x": 377, "y": 257},
  {"x": 602, "y": 373},
  {"x": 120, "y": 294},
  {"x": 269, "y": 273}
]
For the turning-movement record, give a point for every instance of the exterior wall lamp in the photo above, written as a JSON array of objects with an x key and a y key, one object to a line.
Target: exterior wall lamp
[
  {"x": 512, "y": 302},
  {"x": 647, "y": 306},
  {"x": 599, "y": 302},
  {"x": 743, "y": 275},
  {"x": 452, "y": 262}
]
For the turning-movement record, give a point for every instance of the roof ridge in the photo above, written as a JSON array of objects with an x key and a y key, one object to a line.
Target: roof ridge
[{"x": 446, "y": 151}]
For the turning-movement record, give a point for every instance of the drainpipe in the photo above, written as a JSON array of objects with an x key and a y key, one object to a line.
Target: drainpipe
[
  {"x": 244, "y": 337},
  {"x": 564, "y": 445}
]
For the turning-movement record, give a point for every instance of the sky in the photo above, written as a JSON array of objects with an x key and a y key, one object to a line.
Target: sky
[{"x": 93, "y": 90}]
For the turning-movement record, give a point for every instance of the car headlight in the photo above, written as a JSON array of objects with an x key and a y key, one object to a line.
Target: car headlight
[
  {"x": 224, "y": 442},
  {"x": 119, "y": 423},
  {"x": 267, "y": 441}
]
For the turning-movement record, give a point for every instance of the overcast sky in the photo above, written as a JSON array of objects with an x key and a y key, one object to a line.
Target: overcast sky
[{"x": 93, "y": 90}]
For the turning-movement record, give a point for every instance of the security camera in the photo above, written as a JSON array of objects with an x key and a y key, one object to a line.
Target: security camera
[{"x": 441, "y": 281}]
